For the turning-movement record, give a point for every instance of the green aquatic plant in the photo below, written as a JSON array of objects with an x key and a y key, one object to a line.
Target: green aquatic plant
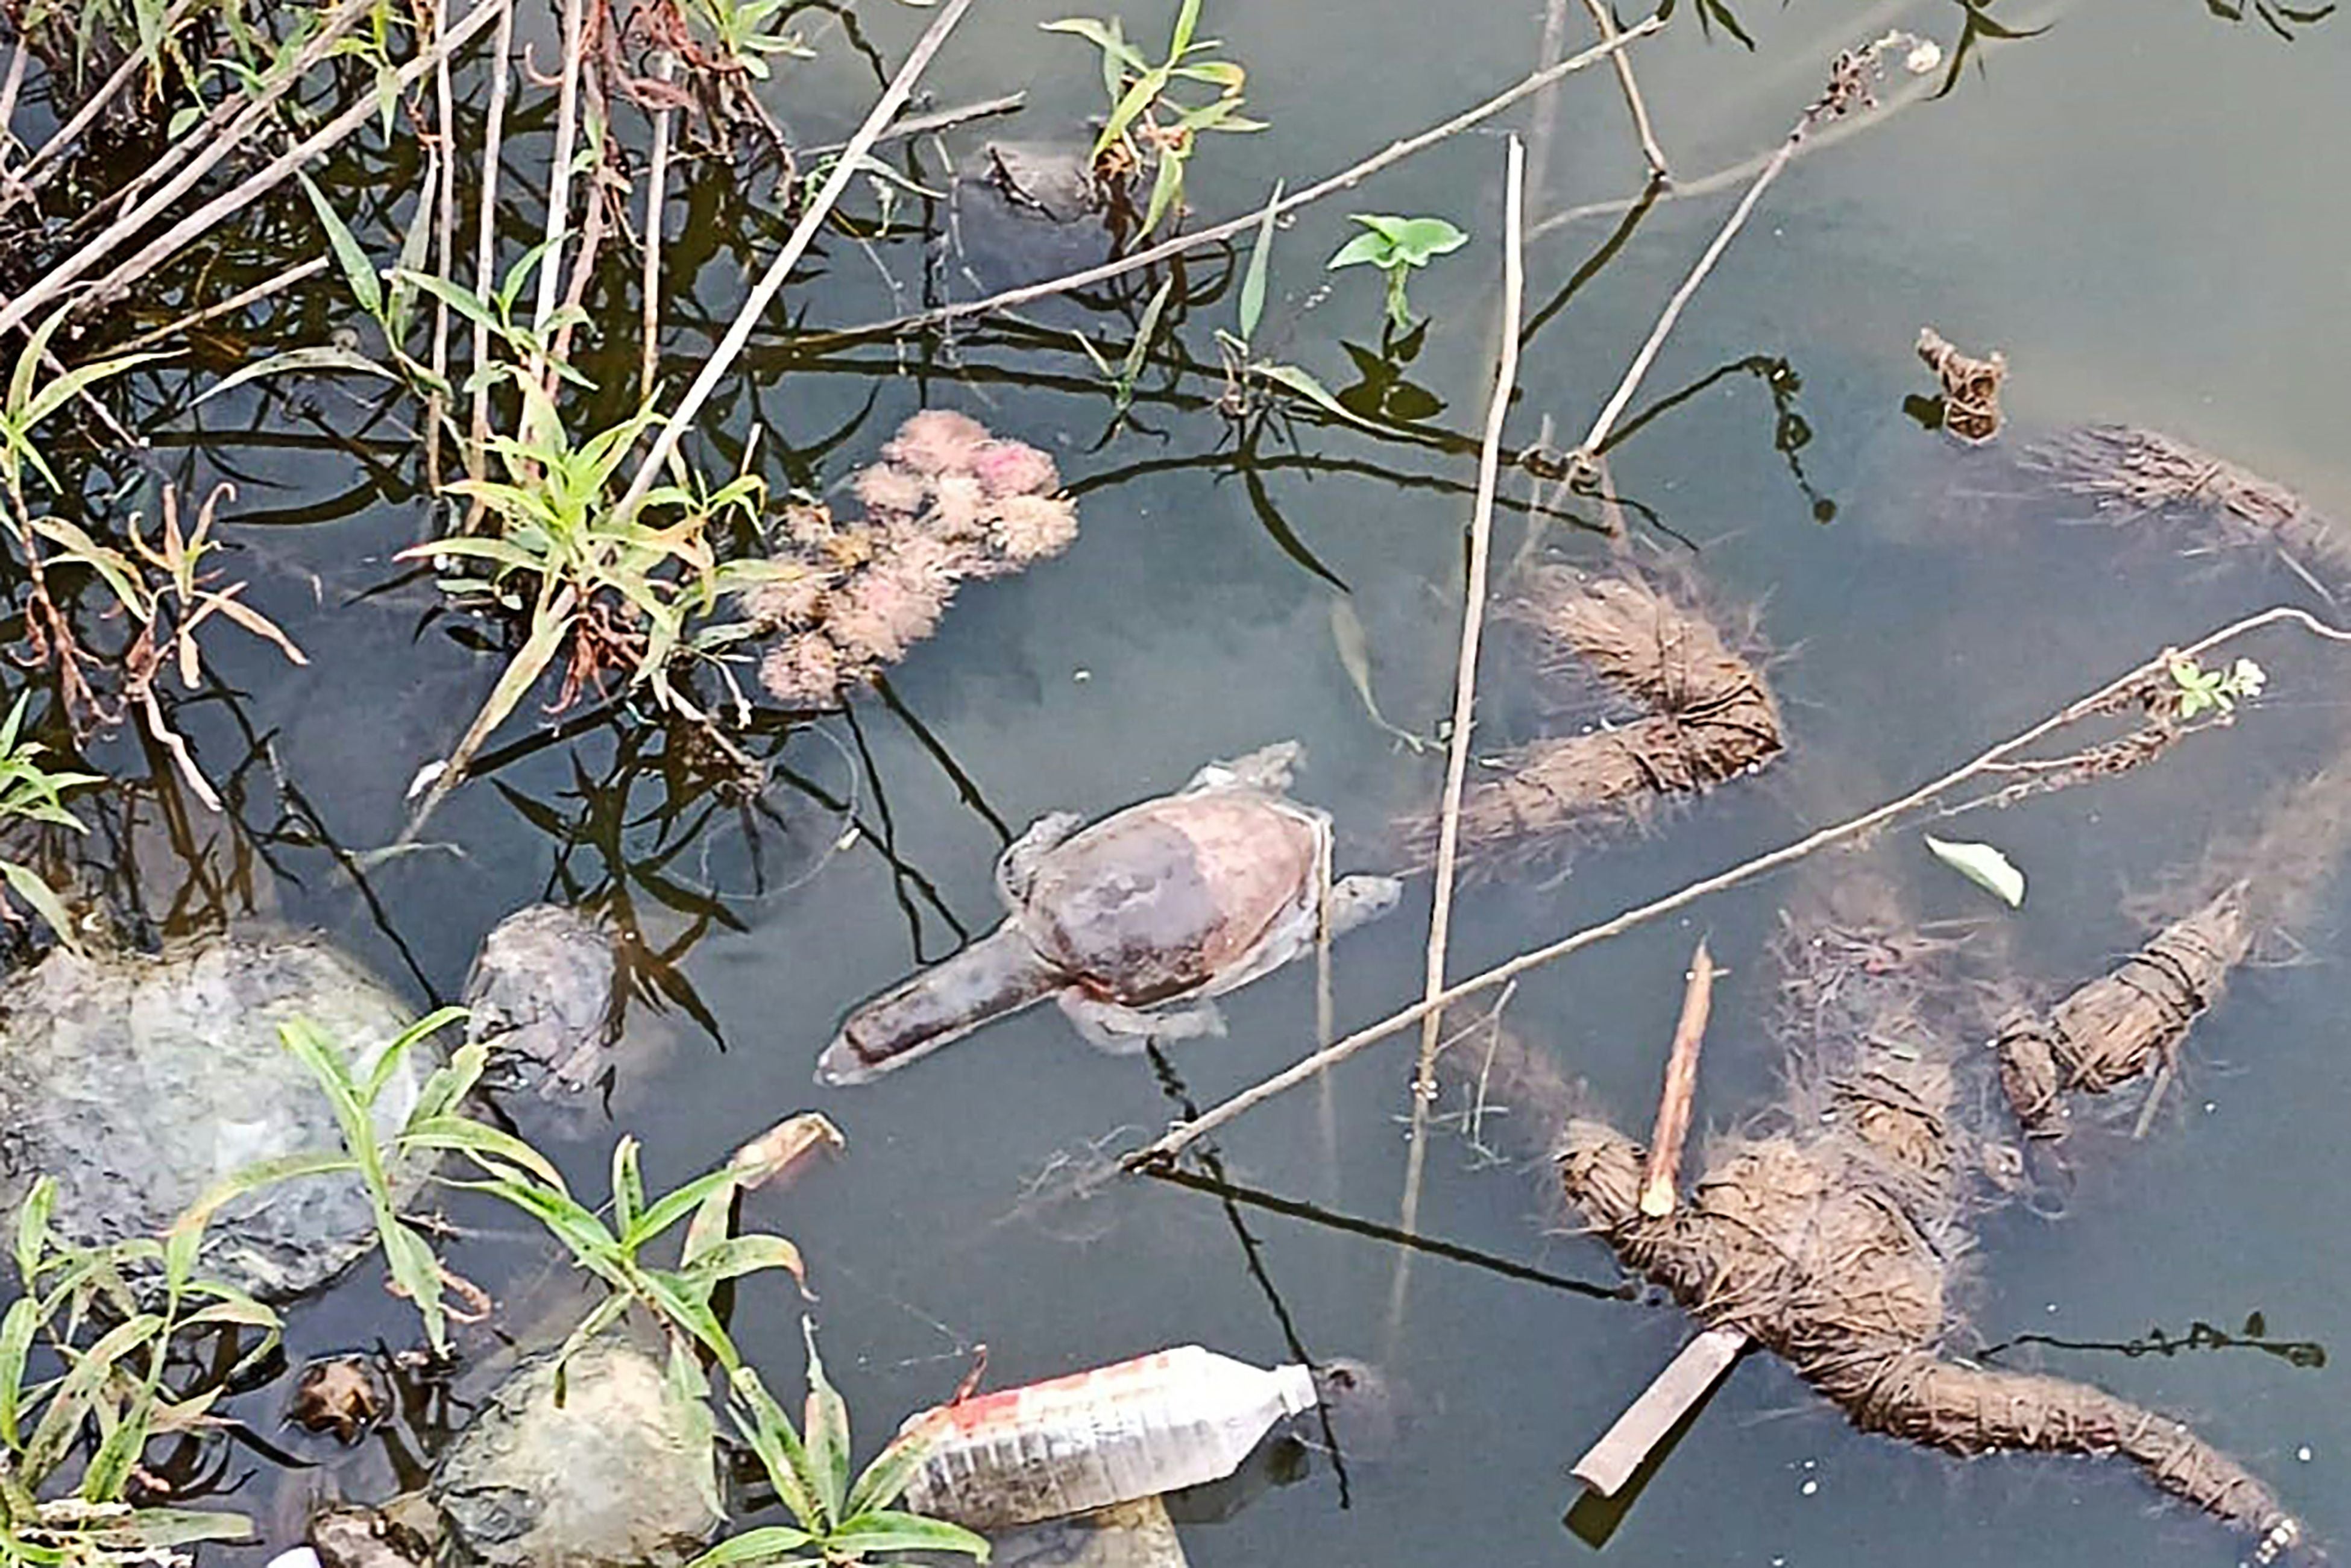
[
  {"x": 109, "y": 1319},
  {"x": 744, "y": 44},
  {"x": 1243, "y": 364},
  {"x": 31, "y": 792},
  {"x": 2200, "y": 690},
  {"x": 838, "y": 1520},
  {"x": 1147, "y": 128},
  {"x": 1396, "y": 247}
]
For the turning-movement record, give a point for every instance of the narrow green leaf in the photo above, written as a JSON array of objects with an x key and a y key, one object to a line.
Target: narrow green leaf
[
  {"x": 323, "y": 357},
  {"x": 763, "y": 1545},
  {"x": 893, "y": 1469},
  {"x": 777, "y": 1445},
  {"x": 17, "y": 1331},
  {"x": 349, "y": 254},
  {"x": 1136, "y": 99},
  {"x": 628, "y": 1187},
  {"x": 1260, "y": 256},
  {"x": 885, "y": 1530},
  {"x": 827, "y": 1428},
  {"x": 1166, "y": 188},
  {"x": 1314, "y": 392},
  {"x": 418, "y": 1274},
  {"x": 29, "y": 885},
  {"x": 676, "y": 1204},
  {"x": 1187, "y": 22}
]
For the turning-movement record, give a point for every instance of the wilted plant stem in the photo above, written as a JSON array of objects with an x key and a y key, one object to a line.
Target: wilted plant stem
[
  {"x": 445, "y": 242},
  {"x": 1183, "y": 1133},
  {"x": 1394, "y": 153},
  {"x": 1465, "y": 703},
  {"x": 195, "y": 165}
]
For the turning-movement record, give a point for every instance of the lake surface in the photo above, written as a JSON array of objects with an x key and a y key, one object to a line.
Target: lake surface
[{"x": 2143, "y": 207}]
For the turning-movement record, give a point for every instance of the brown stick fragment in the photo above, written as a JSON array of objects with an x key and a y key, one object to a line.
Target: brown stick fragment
[
  {"x": 1690, "y": 1377},
  {"x": 1664, "y": 1169}
]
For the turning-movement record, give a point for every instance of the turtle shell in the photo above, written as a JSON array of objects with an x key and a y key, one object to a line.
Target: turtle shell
[{"x": 1163, "y": 897}]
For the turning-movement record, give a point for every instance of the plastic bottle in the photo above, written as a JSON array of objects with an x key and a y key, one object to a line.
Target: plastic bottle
[{"x": 1178, "y": 1419}]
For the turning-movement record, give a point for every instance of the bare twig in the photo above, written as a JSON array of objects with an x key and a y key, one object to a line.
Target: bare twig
[
  {"x": 558, "y": 178},
  {"x": 1394, "y": 153},
  {"x": 665, "y": 67},
  {"x": 38, "y": 168},
  {"x": 754, "y": 305},
  {"x": 234, "y": 302},
  {"x": 1651, "y": 154},
  {"x": 1464, "y": 701},
  {"x": 1185, "y": 1132},
  {"x": 486, "y": 236},
  {"x": 143, "y": 214},
  {"x": 924, "y": 124},
  {"x": 1662, "y": 1172},
  {"x": 444, "y": 243},
  {"x": 176, "y": 239}
]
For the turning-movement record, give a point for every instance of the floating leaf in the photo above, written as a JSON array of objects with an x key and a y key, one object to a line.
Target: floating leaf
[{"x": 1983, "y": 865}]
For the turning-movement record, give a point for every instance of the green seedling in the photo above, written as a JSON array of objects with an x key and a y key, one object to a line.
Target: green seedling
[
  {"x": 744, "y": 43},
  {"x": 30, "y": 792},
  {"x": 111, "y": 1320},
  {"x": 2200, "y": 690},
  {"x": 1147, "y": 128},
  {"x": 836, "y": 1520},
  {"x": 1398, "y": 246},
  {"x": 1243, "y": 364}
]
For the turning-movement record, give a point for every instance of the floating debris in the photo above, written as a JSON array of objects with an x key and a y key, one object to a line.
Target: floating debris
[
  {"x": 345, "y": 1394},
  {"x": 2127, "y": 473},
  {"x": 542, "y": 993},
  {"x": 1707, "y": 716},
  {"x": 1181, "y": 1418},
  {"x": 1971, "y": 387},
  {"x": 947, "y": 502}
]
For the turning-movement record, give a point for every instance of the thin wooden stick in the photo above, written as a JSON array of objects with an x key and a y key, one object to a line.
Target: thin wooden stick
[
  {"x": 238, "y": 301},
  {"x": 40, "y": 166},
  {"x": 1182, "y": 1133},
  {"x": 176, "y": 239},
  {"x": 1662, "y": 1172},
  {"x": 924, "y": 124},
  {"x": 18, "y": 53},
  {"x": 559, "y": 179},
  {"x": 763, "y": 294},
  {"x": 143, "y": 214},
  {"x": 665, "y": 67},
  {"x": 444, "y": 244},
  {"x": 486, "y": 235},
  {"x": 1355, "y": 175},
  {"x": 1464, "y": 703},
  {"x": 1651, "y": 154}
]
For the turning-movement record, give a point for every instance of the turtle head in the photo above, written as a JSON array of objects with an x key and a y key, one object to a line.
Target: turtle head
[{"x": 1000, "y": 973}]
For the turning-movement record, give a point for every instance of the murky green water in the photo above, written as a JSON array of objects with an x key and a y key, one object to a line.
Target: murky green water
[{"x": 2143, "y": 207}]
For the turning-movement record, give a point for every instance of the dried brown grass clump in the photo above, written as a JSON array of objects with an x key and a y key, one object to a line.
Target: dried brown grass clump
[
  {"x": 1832, "y": 1238},
  {"x": 2125, "y": 1023},
  {"x": 2130, "y": 1022},
  {"x": 2127, "y": 472},
  {"x": 1708, "y": 716},
  {"x": 947, "y": 502}
]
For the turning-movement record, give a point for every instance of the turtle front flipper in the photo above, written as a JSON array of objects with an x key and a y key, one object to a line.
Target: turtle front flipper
[
  {"x": 1000, "y": 973},
  {"x": 1126, "y": 1031},
  {"x": 1016, "y": 868}
]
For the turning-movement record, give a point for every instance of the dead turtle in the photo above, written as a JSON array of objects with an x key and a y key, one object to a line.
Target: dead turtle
[
  {"x": 1024, "y": 211},
  {"x": 1134, "y": 922}
]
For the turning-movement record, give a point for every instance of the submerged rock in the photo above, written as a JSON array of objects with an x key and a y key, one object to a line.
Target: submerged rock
[
  {"x": 542, "y": 993},
  {"x": 140, "y": 1083},
  {"x": 620, "y": 1473}
]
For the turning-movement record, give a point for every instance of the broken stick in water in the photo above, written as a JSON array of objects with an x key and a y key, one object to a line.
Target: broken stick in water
[
  {"x": 1665, "y": 1164},
  {"x": 1690, "y": 1377}
]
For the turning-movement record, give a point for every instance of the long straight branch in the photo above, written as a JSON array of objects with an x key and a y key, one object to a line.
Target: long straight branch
[
  {"x": 763, "y": 294},
  {"x": 559, "y": 179},
  {"x": 1355, "y": 175},
  {"x": 665, "y": 67},
  {"x": 251, "y": 189},
  {"x": 275, "y": 284},
  {"x": 1183, "y": 1133},
  {"x": 445, "y": 243},
  {"x": 486, "y": 237},
  {"x": 1465, "y": 703}
]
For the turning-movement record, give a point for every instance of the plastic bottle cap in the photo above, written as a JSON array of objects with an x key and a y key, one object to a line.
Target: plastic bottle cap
[{"x": 1297, "y": 1389}]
